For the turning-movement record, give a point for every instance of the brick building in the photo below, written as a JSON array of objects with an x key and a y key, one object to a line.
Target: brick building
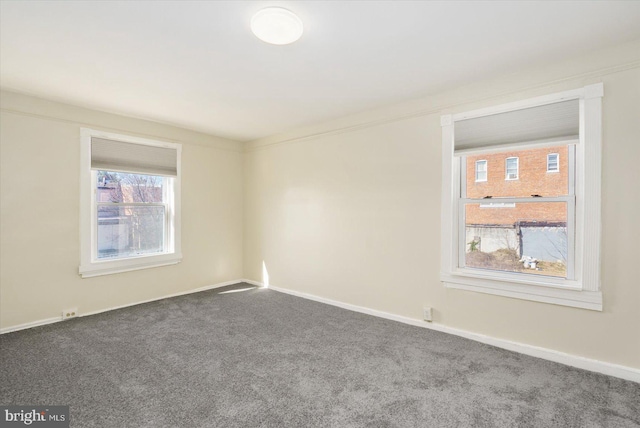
[
  {"x": 517, "y": 173},
  {"x": 533, "y": 229}
]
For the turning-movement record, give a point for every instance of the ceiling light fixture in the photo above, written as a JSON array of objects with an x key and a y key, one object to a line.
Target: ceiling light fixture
[{"x": 277, "y": 26}]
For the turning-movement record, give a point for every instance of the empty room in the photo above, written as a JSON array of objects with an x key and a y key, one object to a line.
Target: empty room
[{"x": 319, "y": 214}]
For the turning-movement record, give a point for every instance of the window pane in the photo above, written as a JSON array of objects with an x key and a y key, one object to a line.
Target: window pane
[
  {"x": 481, "y": 170},
  {"x": 552, "y": 162},
  {"x": 125, "y": 231},
  {"x": 123, "y": 187},
  {"x": 528, "y": 238},
  {"x": 512, "y": 168},
  {"x": 532, "y": 176}
]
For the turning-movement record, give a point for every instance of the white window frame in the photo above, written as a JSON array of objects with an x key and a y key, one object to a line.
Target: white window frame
[
  {"x": 584, "y": 290},
  {"x": 486, "y": 170},
  {"x": 506, "y": 168},
  {"x": 557, "y": 155},
  {"x": 90, "y": 265}
]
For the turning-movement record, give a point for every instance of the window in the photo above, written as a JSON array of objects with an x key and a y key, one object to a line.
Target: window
[
  {"x": 511, "y": 167},
  {"x": 537, "y": 240},
  {"x": 527, "y": 229},
  {"x": 553, "y": 162},
  {"x": 132, "y": 212},
  {"x": 481, "y": 170},
  {"x": 130, "y": 203}
]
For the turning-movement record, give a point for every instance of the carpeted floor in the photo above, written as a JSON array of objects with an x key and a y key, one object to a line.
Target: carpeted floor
[{"x": 262, "y": 358}]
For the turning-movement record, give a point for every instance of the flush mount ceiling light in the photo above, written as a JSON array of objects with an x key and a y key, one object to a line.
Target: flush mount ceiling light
[{"x": 277, "y": 26}]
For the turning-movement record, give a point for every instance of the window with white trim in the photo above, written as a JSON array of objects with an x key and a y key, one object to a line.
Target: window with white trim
[
  {"x": 481, "y": 170},
  {"x": 511, "y": 168},
  {"x": 130, "y": 203},
  {"x": 536, "y": 238},
  {"x": 553, "y": 162}
]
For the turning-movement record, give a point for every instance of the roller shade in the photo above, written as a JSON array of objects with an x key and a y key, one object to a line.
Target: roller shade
[
  {"x": 546, "y": 123},
  {"x": 113, "y": 155}
]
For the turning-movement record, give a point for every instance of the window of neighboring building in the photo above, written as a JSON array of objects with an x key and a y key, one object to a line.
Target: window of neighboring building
[
  {"x": 130, "y": 211},
  {"x": 553, "y": 162},
  {"x": 537, "y": 240},
  {"x": 511, "y": 169},
  {"x": 481, "y": 170}
]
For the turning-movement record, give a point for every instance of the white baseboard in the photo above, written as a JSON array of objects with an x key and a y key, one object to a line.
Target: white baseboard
[
  {"x": 58, "y": 319},
  {"x": 30, "y": 324},
  {"x": 623, "y": 372},
  {"x": 182, "y": 293}
]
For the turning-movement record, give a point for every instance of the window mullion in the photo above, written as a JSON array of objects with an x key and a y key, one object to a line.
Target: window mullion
[
  {"x": 94, "y": 216},
  {"x": 462, "y": 235},
  {"x": 571, "y": 169},
  {"x": 463, "y": 177},
  {"x": 166, "y": 182},
  {"x": 571, "y": 236}
]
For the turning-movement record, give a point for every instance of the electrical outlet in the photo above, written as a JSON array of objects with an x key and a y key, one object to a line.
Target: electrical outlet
[
  {"x": 69, "y": 313},
  {"x": 427, "y": 314}
]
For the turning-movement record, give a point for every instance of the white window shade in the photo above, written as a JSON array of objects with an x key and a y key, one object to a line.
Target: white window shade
[
  {"x": 541, "y": 124},
  {"x": 111, "y": 155}
]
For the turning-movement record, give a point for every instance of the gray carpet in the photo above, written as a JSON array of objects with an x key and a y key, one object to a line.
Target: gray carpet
[{"x": 262, "y": 358}]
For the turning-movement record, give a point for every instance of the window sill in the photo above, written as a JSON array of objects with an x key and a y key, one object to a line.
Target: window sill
[
  {"x": 547, "y": 294},
  {"x": 108, "y": 267}
]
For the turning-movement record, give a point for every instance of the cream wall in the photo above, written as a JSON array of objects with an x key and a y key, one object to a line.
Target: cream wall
[
  {"x": 350, "y": 211},
  {"x": 39, "y": 235}
]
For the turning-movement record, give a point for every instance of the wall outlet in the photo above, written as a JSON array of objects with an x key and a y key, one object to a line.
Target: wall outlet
[
  {"x": 427, "y": 314},
  {"x": 69, "y": 313}
]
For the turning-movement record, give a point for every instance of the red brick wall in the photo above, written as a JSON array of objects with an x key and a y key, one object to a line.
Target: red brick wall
[{"x": 533, "y": 178}]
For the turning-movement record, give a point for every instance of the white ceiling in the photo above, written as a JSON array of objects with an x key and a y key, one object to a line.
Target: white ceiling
[{"x": 197, "y": 64}]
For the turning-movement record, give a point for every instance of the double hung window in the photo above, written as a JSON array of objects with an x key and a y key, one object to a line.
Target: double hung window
[
  {"x": 130, "y": 204},
  {"x": 533, "y": 235}
]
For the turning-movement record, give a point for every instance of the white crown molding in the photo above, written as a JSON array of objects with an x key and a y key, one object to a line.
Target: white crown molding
[
  {"x": 29, "y": 105},
  {"x": 407, "y": 110}
]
